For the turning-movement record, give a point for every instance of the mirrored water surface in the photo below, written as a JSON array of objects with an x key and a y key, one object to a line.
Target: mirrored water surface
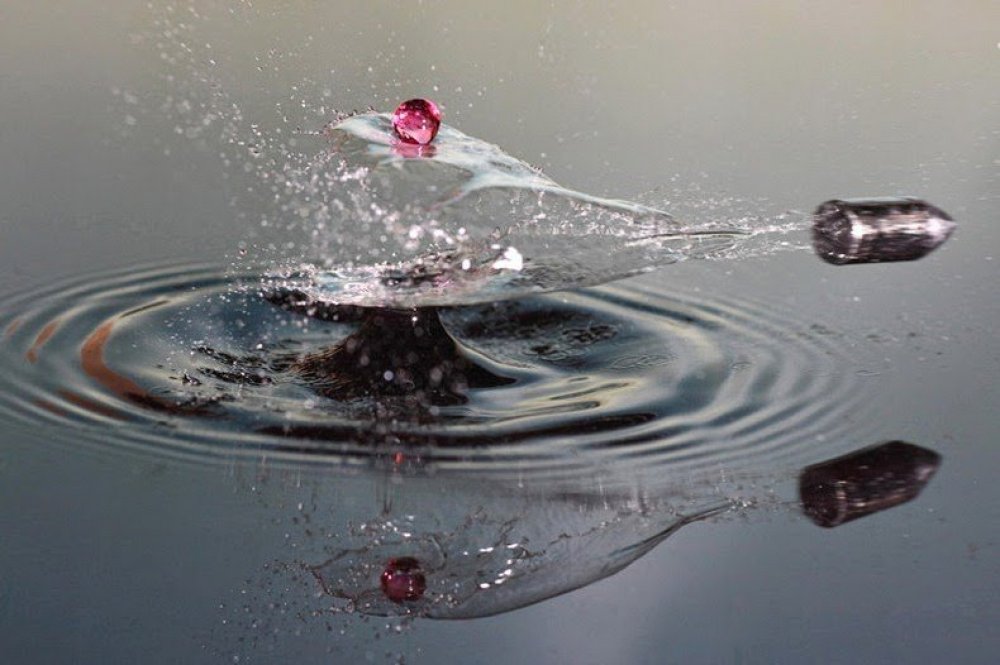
[{"x": 748, "y": 456}]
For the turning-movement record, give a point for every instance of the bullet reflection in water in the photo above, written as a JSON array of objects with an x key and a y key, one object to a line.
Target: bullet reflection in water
[{"x": 866, "y": 481}]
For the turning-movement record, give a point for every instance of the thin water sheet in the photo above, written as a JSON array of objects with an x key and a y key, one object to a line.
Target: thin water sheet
[{"x": 460, "y": 221}]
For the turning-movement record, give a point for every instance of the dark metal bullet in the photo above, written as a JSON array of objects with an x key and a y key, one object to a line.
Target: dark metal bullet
[
  {"x": 865, "y": 482},
  {"x": 878, "y": 229}
]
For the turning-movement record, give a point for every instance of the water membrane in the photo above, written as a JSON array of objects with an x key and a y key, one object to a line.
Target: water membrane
[{"x": 458, "y": 222}]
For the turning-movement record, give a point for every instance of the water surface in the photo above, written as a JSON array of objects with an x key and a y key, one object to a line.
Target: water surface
[{"x": 133, "y": 533}]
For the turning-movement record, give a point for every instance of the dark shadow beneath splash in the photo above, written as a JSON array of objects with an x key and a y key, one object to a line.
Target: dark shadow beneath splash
[{"x": 406, "y": 355}]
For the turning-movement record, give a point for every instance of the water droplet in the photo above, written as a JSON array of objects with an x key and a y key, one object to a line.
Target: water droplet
[
  {"x": 403, "y": 580},
  {"x": 416, "y": 121}
]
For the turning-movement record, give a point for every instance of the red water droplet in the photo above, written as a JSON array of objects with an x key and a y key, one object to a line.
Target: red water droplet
[
  {"x": 403, "y": 579},
  {"x": 417, "y": 121}
]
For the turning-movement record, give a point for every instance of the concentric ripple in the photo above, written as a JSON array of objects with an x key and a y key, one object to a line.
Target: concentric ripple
[{"x": 194, "y": 362}]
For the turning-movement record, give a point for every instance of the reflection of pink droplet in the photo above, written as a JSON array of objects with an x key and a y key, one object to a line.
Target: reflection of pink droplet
[
  {"x": 412, "y": 150},
  {"x": 417, "y": 121},
  {"x": 403, "y": 579}
]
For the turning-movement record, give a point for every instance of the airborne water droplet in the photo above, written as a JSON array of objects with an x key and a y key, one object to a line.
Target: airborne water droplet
[{"x": 416, "y": 121}]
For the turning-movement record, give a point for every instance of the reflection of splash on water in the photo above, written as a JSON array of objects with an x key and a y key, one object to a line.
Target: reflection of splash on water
[
  {"x": 481, "y": 546},
  {"x": 500, "y": 558},
  {"x": 496, "y": 546},
  {"x": 617, "y": 378}
]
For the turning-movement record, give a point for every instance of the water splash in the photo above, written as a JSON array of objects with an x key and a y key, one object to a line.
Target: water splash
[
  {"x": 460, "y": 221},
  {"x": 352, "y": 215}
]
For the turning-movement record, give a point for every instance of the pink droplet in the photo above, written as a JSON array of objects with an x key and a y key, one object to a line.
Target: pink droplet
[
  {"x": 417, "y": 121},
  {"x": 403, "y": 580}
]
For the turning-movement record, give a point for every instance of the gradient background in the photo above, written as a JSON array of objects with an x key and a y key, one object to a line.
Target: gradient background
[{"x": 732, "y": 108}]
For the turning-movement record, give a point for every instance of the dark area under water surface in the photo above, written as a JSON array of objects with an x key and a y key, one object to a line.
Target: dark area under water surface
[{"x": 188, "y": 362}]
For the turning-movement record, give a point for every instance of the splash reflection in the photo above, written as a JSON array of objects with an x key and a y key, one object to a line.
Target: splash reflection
[{"x": 447, "y": 548}]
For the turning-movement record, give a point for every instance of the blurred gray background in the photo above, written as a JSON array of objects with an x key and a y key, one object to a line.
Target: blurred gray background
[{"x": 718, "y": 108}]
